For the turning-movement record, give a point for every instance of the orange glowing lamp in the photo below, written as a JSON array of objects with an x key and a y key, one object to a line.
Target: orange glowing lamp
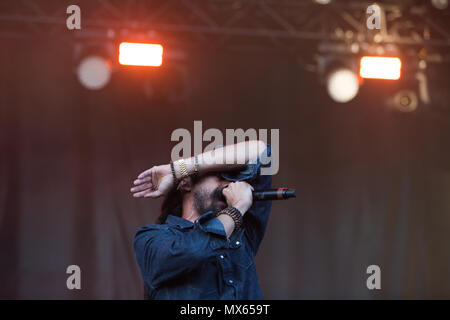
[
  {"x": 380, "y": 68},
  {"x": 140, "y": 54}
]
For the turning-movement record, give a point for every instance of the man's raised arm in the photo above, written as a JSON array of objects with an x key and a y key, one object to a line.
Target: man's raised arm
[{"x": 158, "y": 180}]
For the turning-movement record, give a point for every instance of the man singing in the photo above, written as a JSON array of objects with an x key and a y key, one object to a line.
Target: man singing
[{"x": 209, "y": 231}]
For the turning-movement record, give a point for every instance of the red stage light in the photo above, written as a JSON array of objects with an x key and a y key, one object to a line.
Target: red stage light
[
  {"x": 380, "y": 68},
  {"x": 140, "y": 54}
]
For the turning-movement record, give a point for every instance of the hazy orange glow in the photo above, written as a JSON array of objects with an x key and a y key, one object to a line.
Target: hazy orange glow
[
  {"x": 140, "y": 54},
  {"x": 380, "y": 68}
]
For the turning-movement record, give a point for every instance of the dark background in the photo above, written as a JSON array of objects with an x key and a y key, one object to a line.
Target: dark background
[{"x": 373, "y": 184}]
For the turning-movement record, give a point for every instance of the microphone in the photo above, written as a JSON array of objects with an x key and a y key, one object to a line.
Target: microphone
[{"x": 274, "y": 194}]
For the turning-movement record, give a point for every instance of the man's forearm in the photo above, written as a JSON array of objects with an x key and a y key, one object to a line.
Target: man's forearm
[
  {"x": 223, "y": 159},
  {"x": 158, "y": 180},
  {"x": 228, "y": 224}
]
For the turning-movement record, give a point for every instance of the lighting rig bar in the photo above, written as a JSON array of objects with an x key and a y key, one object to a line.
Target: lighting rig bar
[{"x": 233, "y": 23}]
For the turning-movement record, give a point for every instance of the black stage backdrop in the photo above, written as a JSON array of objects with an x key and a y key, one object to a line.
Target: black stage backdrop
[{"x": 373, "y": 185}]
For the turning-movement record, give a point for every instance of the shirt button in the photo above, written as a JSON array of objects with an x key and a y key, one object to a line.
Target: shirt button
[
  {"x": 237, "y": 243},
  {"x": 230, "y": 281},
  {"x": 221, "y": 256}
]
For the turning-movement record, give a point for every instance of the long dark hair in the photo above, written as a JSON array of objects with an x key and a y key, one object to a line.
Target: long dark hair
[{"x": 172, "y": 204}]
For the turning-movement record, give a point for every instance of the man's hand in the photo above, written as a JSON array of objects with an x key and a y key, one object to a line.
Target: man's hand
[
  {"x": 239, "y": 195},
  {"x": 154, "y": 182}
]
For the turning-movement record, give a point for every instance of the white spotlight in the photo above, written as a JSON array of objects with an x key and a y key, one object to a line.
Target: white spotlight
[
  {"x": 342, "y": 85},
  {"x": 94, "y": 72},
  {"x": 440, "y": 4},
  {"x": 323, "y": 1}
]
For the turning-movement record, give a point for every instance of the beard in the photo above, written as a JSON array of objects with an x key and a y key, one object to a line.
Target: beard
[{"x": 214, "y": 201}]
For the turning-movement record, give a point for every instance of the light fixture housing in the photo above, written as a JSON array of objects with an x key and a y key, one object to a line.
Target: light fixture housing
[{"x": 405, "y": 100}]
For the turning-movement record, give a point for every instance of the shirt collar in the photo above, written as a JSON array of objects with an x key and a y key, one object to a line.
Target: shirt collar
[
  {"x": 182, "y": 223},
  {"x": 175, "y": 221}
]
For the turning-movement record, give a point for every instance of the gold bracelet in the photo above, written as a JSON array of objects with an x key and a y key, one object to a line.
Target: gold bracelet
[{"x": 183, "y": 170}]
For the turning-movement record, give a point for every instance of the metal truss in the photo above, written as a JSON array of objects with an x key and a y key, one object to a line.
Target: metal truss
[
  {"x": 288, "y": 25},
  {"x": 314, "y": 33}
]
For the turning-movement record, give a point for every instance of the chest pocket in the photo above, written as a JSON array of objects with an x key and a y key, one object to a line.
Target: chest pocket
[{"x": 240, "y": 254}]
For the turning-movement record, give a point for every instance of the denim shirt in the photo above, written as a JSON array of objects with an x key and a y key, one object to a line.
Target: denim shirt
[{"x": 185, "y": 260}]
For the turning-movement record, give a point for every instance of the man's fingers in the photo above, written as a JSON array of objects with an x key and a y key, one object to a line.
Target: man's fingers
[
  {"x": 145, "y": 173},
  {"x": 148, "y": 194},
  {"x": 139, "y": 181},
  {"x": 141, "y": 187}
]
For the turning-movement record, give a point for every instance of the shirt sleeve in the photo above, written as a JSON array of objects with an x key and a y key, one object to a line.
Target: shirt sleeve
[
  {"x": 257, "y": 217},
  {"x": 164, "y": 253}
]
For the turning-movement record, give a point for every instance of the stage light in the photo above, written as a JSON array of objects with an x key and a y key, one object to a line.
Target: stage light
[
  {"x": 140, "y": 54},
  {"x": 440, "y": 4},
  {"x": 342, "y": 85},
  {"x": 380, "y": 68},
  {"x": 323, "y": 1},
  {"x": 94, "y": 72},
  {"x": 406, "y": 101}
]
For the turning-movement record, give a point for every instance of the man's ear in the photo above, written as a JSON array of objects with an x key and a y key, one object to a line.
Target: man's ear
[{"x": 185, "y": 184}]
